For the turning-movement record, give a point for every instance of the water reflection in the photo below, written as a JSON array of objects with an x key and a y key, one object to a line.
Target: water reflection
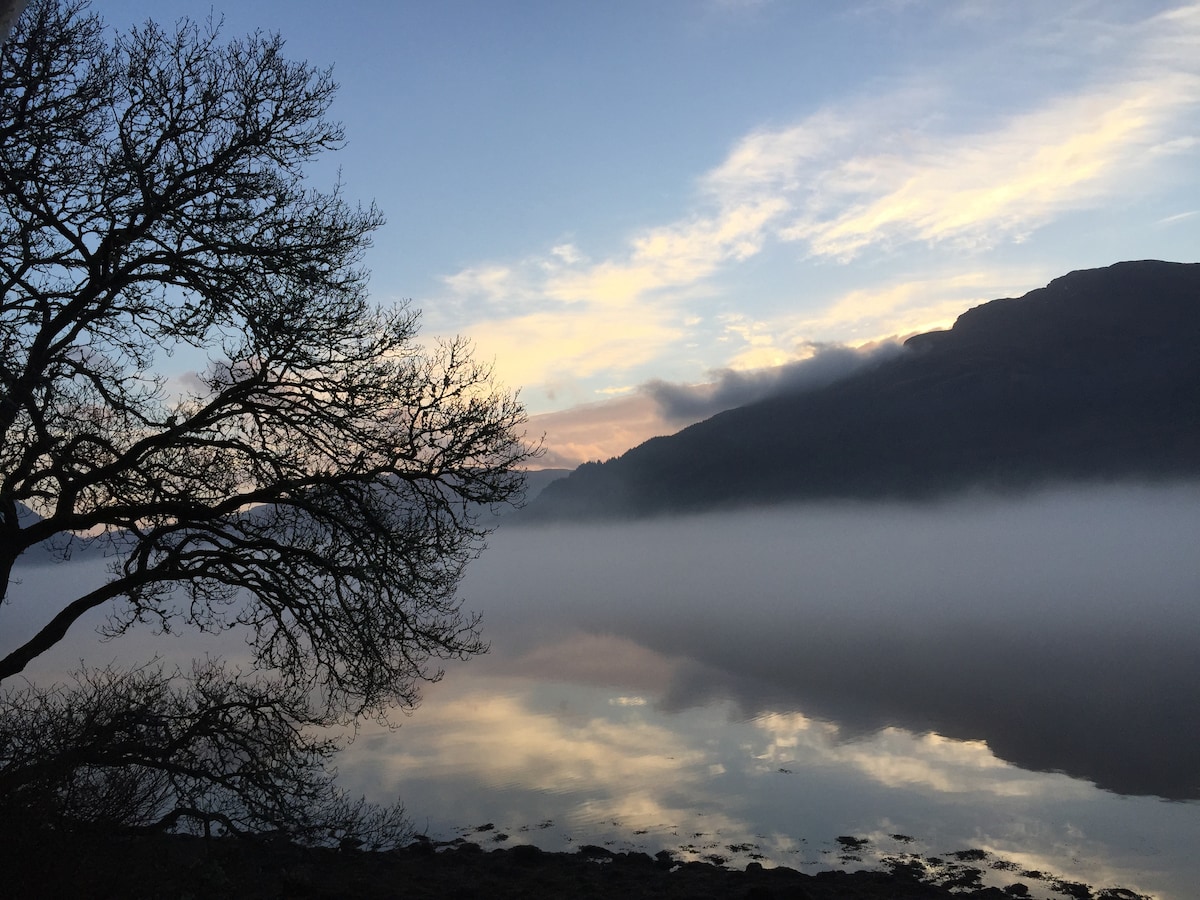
[
  {"x": 753, "y": 686},
  {"x": 757, "y": 680},
  {"x": 1060, "y": 630},
  {"x": 563, "y": 764}
]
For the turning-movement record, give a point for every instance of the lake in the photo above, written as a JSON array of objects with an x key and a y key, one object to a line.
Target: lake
[{"x": 1018, "y": 677}]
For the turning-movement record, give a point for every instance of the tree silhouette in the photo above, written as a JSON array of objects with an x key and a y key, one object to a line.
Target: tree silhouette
[
  {"x": 324, "y": 465},
  {"x": 150, "y": 748},
  {"x": 322, "y": 479}
]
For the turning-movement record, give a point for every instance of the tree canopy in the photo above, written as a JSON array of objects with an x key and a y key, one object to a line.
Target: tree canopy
[{"x": 321, "y": 478}]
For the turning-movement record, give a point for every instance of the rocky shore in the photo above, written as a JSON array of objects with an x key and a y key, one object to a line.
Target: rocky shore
[{"x": 179, "y": 866}]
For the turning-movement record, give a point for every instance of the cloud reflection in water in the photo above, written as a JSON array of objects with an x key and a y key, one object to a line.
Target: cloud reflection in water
[
  {"x": 1060, "y": 629},
  {"x": 766, "y": 679},
  {"x": 844, "y": 669}
]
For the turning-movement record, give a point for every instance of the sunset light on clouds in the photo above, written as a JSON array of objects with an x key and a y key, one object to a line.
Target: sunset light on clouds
[{"x": 607, "y": 196}]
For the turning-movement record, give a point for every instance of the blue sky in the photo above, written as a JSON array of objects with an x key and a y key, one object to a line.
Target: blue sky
[{"x": 609, "y": 195}]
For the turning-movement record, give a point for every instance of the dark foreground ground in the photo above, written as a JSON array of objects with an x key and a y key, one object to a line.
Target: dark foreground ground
[{"x": 176, "y": 866}]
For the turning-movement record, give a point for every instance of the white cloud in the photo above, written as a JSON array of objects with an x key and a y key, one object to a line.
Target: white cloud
[
  {"x": 670, "y": 257},
  {"x": 979, "y": 189},
  {"x": 923, "y": 164},
  {"x": 912, "y": 305},
  {"x": 767, "y": 354},
  {"x": 493, "y": 283},
  {"x": 550, "y": 350},
  {"x": 898, "y": 168},
  {"x": 556, "y": 318},
  {"x": 1178, "y": 217},
  {"x": 567, "y": 253},
  {"x": 865, "y": 316}
]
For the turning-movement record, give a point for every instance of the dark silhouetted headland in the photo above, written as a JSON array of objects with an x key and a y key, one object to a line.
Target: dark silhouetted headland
[{"x": 1095, "y": 377}]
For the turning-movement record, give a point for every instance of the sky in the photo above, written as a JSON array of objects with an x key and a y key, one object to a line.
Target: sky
[{"x": 629, "y": 202}]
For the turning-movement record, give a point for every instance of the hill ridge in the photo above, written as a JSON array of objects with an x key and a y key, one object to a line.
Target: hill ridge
[{"x": 1094, "y": 376}]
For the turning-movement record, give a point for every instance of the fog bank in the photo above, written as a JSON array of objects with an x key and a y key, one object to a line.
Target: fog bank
[{"x": 1061, "y": 628}]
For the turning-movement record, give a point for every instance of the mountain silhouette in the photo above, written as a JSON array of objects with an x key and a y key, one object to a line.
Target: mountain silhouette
[{"x": 1094, "y": 377}]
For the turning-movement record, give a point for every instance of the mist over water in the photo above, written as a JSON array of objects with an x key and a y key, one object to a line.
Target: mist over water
[
  {"x": 1061, "y": 627},
  {"x": 968, "y": 672}
]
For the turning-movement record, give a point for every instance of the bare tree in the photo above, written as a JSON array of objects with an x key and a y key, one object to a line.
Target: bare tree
[
  {"x": 320, "y": 482},
  {"x": 148, "y": 748}
]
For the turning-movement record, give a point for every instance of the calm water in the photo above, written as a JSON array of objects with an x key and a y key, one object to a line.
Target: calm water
[{"x": 1017, "y": 677}]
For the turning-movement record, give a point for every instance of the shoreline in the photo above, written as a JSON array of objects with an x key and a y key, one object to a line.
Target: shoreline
[{"x": 106, "y": 864}]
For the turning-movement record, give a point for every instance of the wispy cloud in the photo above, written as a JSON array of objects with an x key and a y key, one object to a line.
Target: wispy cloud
[
  {"x": 560, "y": 317},
  {"x": 1178, "y": 217},
  {"x": 556, "y": 349},
  {"x": 979, "y": 189},
  {"x": 891, "y": 170},
  {"x": 912, "y": 166},
  {"x": 599, "y": 431},
  {"x": 911, "y": 305},
  {"x": 775, "y": 356},
  {"x": 863, "y": 317}
]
